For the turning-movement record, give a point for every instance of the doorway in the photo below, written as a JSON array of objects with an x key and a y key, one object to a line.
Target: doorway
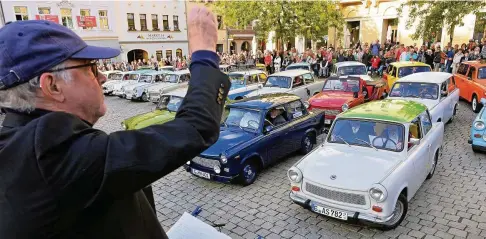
[
  {"x": 390, "y": 30},
  {"x": 353, "y": 29},
  {"x": 137, "y": 54}
]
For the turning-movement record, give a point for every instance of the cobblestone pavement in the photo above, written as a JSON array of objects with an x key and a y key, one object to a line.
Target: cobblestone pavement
[{"x": 450, "y": 205}]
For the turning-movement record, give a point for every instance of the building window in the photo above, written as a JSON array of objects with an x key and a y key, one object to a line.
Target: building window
[
  {"x": 176, "y": 23},
  {"x": 155, "y": 22},
  {"x": 179, "y": 53},
  {"x": 44, "y": 11},
  {"x": 103, "y": 14},
  {"x": 21, "y": 13},
  {"x": 143, "y": 22},
  {"x": 168, "y": 55},
  {"x": 165, "y": 20},
  {"x": 220, "y": 22},
  {"x": 131, "y": 22},
  {"x": 158, "y": 54},
  {"x": 85, "y": 13},
  {"x": 67, "y": 17}
]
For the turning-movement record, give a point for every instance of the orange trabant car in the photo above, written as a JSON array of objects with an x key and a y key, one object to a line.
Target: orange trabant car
[{"x": 471, "y": 80}]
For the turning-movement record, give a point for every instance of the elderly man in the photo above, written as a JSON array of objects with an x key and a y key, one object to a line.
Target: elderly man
[{"x": 61, "y": 178}]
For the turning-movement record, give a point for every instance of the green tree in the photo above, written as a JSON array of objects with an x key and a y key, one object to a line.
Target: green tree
[
  {"x": 310, "y": 19},
  {"x": 434, "y": 15}
]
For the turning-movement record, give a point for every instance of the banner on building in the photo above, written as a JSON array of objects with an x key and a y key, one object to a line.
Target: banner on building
[
  {"x": 52, "y": 18},
  {"x": 86, "y": 21}
]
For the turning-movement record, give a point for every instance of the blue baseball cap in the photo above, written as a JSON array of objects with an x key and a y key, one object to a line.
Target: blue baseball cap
[{"x": 29, "y": 48}]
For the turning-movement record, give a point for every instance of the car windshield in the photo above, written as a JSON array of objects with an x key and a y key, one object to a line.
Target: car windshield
[
  {"x": 170, "y": 103},
  {"x": 352, "y": 70},
  {"x": 278, "y": 81},
  {"x": 172, "y": 78},
  {"x": 111, "y": 76},
  {"x": 133, "y": 76},
  {"x": 145, "y": 78},
  {"x": 415, "y": 90},
  {"x": 243, "y": 118},
  {"x": 482, "y": 73},
  {"x": 237, "y": 80},
  {"x": 408, "y": 70},
  {"x": 371, "y": 134},
  {"x": 170, "y": 68},
  {"x": 346, "y": 85},
  {"x": 117, "y": 77},
  {"x": 297, "y": 67}
]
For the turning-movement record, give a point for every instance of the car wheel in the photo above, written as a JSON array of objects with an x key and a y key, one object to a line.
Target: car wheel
[
  {"x": 248, "y": 173},
  {"x": 399, "y": 213},
  {"x": 454, "y": 112},
  {"x": 144, "y": 97},
  {"x": 434, "y": 165},
  {"x": 475, "y": 150},
  {"x": 307, "y": 143},
  {"x": 476, "y": 107}
]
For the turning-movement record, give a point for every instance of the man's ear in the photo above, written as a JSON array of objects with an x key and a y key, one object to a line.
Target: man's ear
[{"x": 51, "y": 87}]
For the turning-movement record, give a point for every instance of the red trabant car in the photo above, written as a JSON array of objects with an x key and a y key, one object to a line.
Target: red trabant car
[{"x": 344, "y": 92}]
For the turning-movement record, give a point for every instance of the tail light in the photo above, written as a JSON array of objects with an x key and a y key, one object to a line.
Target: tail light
[{"x": 295, "y": 188}]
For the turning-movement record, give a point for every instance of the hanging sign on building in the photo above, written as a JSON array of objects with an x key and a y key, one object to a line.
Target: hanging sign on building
[
  {"x": 154, "y": 36},
  {"x": 52, "y": 18},
  {"x": 86, "y": 21}
]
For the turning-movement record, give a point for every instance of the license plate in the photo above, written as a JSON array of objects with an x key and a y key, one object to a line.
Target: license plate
[
  {"x": 327, "y": 121},
  {"x": 330, "y": 212},
  {"x": 201, "y": 174}
]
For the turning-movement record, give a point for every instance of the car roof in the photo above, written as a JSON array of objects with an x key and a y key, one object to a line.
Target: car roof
[
  {"x": 166, "y": 67},
  {"x": 476, "y": 63},
  {"x": 394, "y": 110},
  {"x": 224, "y": 66},
  {"x": 408, "y": 63},
  {"x": 109, "y": 72},
  {"x": 153, "y": 73},
  {"x": 265, "y": 101},
  {"x": 181, "y": 72},
  {"x": 299, "y": 64},
  {"x": 291, "y": 73},
  {"x": 349, "y": 63},
  {"x": 249, "y": 72},
  {"x": 426, "y": 77}
]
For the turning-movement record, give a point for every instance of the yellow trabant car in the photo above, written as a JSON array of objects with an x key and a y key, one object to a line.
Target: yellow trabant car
[{"x": 397, "y": 70}]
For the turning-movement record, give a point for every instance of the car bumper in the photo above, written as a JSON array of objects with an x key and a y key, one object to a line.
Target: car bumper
[
  {"x": 478, "y": 144},
  {"x": 118, "y": 93},
  {"x": 352, "y": 215},
  {"x": 213, "y": 176},
  {"x": 107, "y": 92},
  {"x": 132, "y": 97}
]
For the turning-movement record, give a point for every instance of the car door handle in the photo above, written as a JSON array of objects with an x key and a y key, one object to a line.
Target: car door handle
[{"x": 428, "y": 146}]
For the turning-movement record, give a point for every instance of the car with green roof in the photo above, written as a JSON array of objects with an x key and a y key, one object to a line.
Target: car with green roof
[
  {"x": 136, "y": 91},
  {"x": 374, "y": 159}
]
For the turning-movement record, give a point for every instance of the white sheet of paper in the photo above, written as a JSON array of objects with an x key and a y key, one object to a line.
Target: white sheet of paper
[{"x": 190, "y": 227}]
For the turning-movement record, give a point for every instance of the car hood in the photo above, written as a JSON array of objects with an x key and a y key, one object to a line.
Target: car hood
[
  {"x": 133, "y": 86},
  {"x": 429, "y": 103},
  {"x": 366, "y": 78},
  {"x": 159, "y": 86},
  {"x": 352, "y": 172},
  {"x": 124, "y": 83},
  {"x": 267, "y": 90},
  {"x": 228, "y": 138},
  {"x": 147, "y": 119},
  {"x": 331, "y": 99},
  {"x": 111, "y": 82}
]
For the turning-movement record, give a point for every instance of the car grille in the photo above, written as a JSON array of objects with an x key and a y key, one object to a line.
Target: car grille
[
  {"x": 154, "y": 95},
  {"x": 128, "y": 92},
  {"x": 331, "y": 112},
  {"x": 338, "y": 196},
  {"x": 208, "y": 163}
]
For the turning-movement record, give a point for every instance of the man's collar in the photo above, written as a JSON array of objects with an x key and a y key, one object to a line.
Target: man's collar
[{"x": 15, "y": 118}]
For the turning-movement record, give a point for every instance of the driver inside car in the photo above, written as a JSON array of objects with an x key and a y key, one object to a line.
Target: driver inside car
[
  {"x": 276, "y": 117},
  {"x": 389, "y": 138}
]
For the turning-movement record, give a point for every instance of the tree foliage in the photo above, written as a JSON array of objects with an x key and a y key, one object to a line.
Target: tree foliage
[
  {"x": 288, "y": 18},
  {"x": 434, "y": 15}
]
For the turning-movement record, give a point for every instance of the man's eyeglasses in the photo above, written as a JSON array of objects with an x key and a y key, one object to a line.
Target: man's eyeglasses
[{"x": 93, "y": 65}]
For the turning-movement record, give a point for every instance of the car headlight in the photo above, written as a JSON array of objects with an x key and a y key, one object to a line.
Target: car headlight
[
  {"x": 188, "y": 162},
  {"x": 345, "y": 107},
  {"x": 223, "y": 158},
  {"x": 378, "y": 193},
  {"x": 217, "y": 169},
  {"x": 294, "y": 175},
  {"x": 479, "y": 125},
  {"x": 145, "y": 90}
]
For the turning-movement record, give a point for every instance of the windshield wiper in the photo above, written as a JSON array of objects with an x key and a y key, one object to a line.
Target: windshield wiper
[
  {"x": 366, "y": 142},
  {"x": 412, "y": 96},
  {"x": 341, "y": 138}
]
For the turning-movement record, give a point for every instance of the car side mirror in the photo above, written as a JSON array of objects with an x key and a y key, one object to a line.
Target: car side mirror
[
  {"x": 369, "y": 73},
  {"x": 325, "y": 131},
  {"x": 385, "y": 94},
  {"x": 443, "y": 93},
  {"x": 260, "y": 86},
  {"x": 268, "y": 128},
  {"x": 306, "y": 104},
  {"x": 414, "y": 141},
  {"x": 483, "y": 101},
  {"x": 333, "y": 74},
  {"x": 469, "y": 78},
  {"x": 355, "y": 94}
]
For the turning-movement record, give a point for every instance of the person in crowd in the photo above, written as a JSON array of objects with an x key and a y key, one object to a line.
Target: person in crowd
[
  {"x": 277, "y": 62},
  {"x": 450, "y": 57},
  {"x": 375, "y": 64},
  {"x": 70, "y": 180},
  {"x": 375, "y": 48},
  {"x": 456, "y": 60},
  {"x": 429, "y": 58}
]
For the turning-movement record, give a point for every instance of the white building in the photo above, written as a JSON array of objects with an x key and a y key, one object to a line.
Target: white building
[
  {"x": 94, "y": 21},
  {"x": 152, "y": 30}
]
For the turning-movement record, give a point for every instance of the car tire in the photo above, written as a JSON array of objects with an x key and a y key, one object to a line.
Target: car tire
[
  {"x": 249, "y": 172},
  {"x": 453, "y": 114},
  {"x": 145, "y": 97},
  {"x": 475, "y": 105},
  {"x": 475, "y": 150},
  {"x": 307, "y": 143},
  {"x": 434, "y": 165},
  {"x": 401, "y": 207}
]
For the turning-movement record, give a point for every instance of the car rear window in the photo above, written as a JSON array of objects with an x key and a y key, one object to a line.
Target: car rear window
[
  {"x": 482, "y": 73},
  {"x": 408, "y": 70}
]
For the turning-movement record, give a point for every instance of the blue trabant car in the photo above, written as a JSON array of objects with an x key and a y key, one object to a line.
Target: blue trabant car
[
  {"x": 299, "y": 66},
  {"x": 255, "y": 133},
  {"x": 245, "y": 82},
  {"x": 478, "y": 130}
]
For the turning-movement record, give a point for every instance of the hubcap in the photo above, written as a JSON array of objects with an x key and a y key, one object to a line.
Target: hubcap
[
  {"x": 474, "y": 104},
  {"x": 397, "y": 213},
  {"x": 307, "y": 143},
  {"x": 249, "y": 172}
]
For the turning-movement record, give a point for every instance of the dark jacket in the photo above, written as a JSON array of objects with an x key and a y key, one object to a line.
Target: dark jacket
[{"x": 61, "y": 178}]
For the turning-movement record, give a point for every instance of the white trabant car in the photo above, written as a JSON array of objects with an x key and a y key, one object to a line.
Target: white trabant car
[
  {"x": 131, "y": 77},
  {"x": 167, "y": 68},
  {"x": 136, "y": 91},
  {"x": 108, "y": 87},
  {"x": 298, "y": 82},
  {"x": 372, "y": 162},
  {"x": 351, "y": 68},
  {"x": 110, "y": 74},
  {"x": 245, "y": 82},
  {"x": 436, "y": 90},
  {"x": 172, "y": 81}
]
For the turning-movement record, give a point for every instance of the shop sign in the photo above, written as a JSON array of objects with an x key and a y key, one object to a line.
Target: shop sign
[
  {"x": 52, "y": 18},
  {"x": 86, "y": 21},
  {"x": 155, "y": 36}
]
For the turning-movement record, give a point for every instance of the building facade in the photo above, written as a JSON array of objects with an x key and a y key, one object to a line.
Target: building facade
[
  {"x": 152, "y": 30},
  {"x": 94, "y": 21}
]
